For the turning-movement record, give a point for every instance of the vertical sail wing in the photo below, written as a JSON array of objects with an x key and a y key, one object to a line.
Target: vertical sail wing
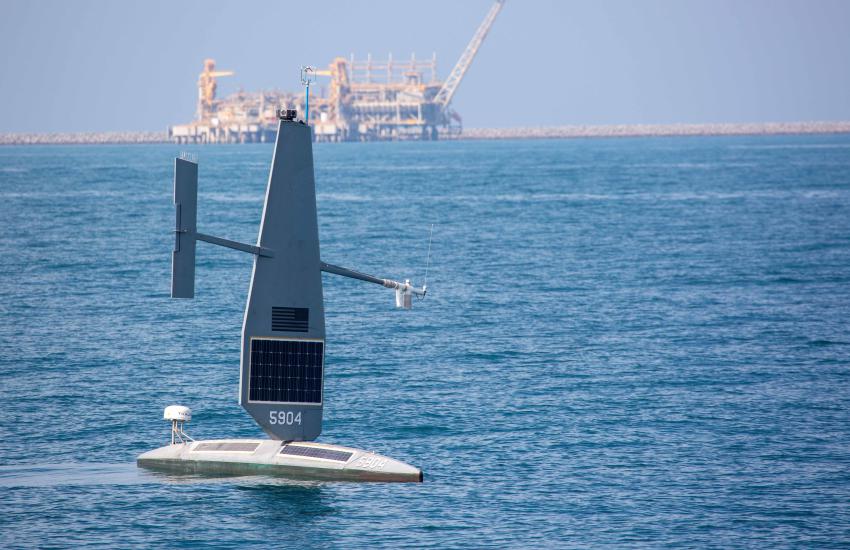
[
  {"x": 186, "y": 213},
  {"x": 283, "y": 334}
]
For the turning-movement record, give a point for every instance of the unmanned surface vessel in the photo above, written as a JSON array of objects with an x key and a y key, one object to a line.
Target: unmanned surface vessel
[{"x": 283, "y": 333}]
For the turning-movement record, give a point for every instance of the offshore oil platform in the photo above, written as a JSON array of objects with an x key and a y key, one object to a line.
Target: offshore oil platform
[{"x": 364, "y": 101}]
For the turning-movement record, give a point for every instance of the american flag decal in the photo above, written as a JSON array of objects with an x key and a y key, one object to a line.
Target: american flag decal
[{"x": 290, "y": 319}]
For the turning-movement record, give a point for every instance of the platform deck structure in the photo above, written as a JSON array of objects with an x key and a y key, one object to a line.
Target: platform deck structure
[{"x": 359, "y": 100}]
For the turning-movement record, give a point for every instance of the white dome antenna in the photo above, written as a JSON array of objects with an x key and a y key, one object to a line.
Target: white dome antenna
[{"x": 178, "y": 415}]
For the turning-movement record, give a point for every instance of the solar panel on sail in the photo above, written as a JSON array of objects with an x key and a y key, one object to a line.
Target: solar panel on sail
[{"x": 286, "y": 371}]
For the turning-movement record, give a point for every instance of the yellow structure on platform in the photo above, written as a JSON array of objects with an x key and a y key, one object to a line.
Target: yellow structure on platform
[{"x": 360, "y": 101}]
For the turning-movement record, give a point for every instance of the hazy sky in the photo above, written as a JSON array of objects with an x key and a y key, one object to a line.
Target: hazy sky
[{"x": 89, "y": 65}]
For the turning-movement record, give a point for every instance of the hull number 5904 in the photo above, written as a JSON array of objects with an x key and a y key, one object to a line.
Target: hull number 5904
[{"x": 284, "y": 418}]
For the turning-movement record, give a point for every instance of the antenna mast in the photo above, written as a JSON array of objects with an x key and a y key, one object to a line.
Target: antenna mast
[
  {"x": 308, "y": 76},
  {"x": 428, "y": 262}
]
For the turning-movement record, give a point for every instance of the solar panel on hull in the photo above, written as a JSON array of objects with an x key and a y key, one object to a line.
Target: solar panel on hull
[
  {"x": 315, "y": 452},
  {"x": 286, "y": 371}
]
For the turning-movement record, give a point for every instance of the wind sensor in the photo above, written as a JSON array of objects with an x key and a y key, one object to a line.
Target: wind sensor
[
  {"x": 281, "y": 382},
  {"x": 308, "y": 76}
]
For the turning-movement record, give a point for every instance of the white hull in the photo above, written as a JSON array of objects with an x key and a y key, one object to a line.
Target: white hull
[{"x": 298, "y": 460}]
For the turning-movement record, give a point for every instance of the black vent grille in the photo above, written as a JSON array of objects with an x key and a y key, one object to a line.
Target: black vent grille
[{"x": 290, "y": 319}]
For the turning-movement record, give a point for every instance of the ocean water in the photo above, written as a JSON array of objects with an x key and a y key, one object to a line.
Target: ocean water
[{"x": 627, "y": 343}]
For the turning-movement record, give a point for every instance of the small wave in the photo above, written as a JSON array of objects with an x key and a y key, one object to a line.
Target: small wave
[
  {"x": 693, "y": 165},
  {"x": 795, "y": 146},
  {"x": 787, "y": 280},
  {"x": 233, "y": 197},
  {"x": 62, "y": 194},
  {"x": 826, "y": 343},
  {"x": 821, "y": 195},
  {"x": 345, "y": 197}
]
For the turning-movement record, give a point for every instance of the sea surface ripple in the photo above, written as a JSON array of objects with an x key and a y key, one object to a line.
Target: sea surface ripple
[{"x": 627, "y": 343}]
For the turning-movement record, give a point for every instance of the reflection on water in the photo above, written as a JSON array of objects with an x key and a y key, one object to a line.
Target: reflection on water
[{"x": 281, "y": 500}]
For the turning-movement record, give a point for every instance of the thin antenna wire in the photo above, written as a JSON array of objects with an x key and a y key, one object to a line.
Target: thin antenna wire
[{"x": 428, "y": 264}]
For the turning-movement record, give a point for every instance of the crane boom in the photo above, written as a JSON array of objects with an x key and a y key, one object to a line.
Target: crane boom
[{"x": 444, "y": 96}]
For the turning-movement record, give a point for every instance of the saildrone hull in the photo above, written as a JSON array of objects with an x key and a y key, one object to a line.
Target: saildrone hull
[{"x": 296, "y": 460}]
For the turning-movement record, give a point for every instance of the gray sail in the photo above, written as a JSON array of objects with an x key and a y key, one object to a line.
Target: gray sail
[
  {"x": 283, "y": 333},
  {"x": 281, "y": 378}
]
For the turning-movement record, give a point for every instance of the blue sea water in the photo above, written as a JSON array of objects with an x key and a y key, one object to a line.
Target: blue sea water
[{"x": 627, "y": 343}]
